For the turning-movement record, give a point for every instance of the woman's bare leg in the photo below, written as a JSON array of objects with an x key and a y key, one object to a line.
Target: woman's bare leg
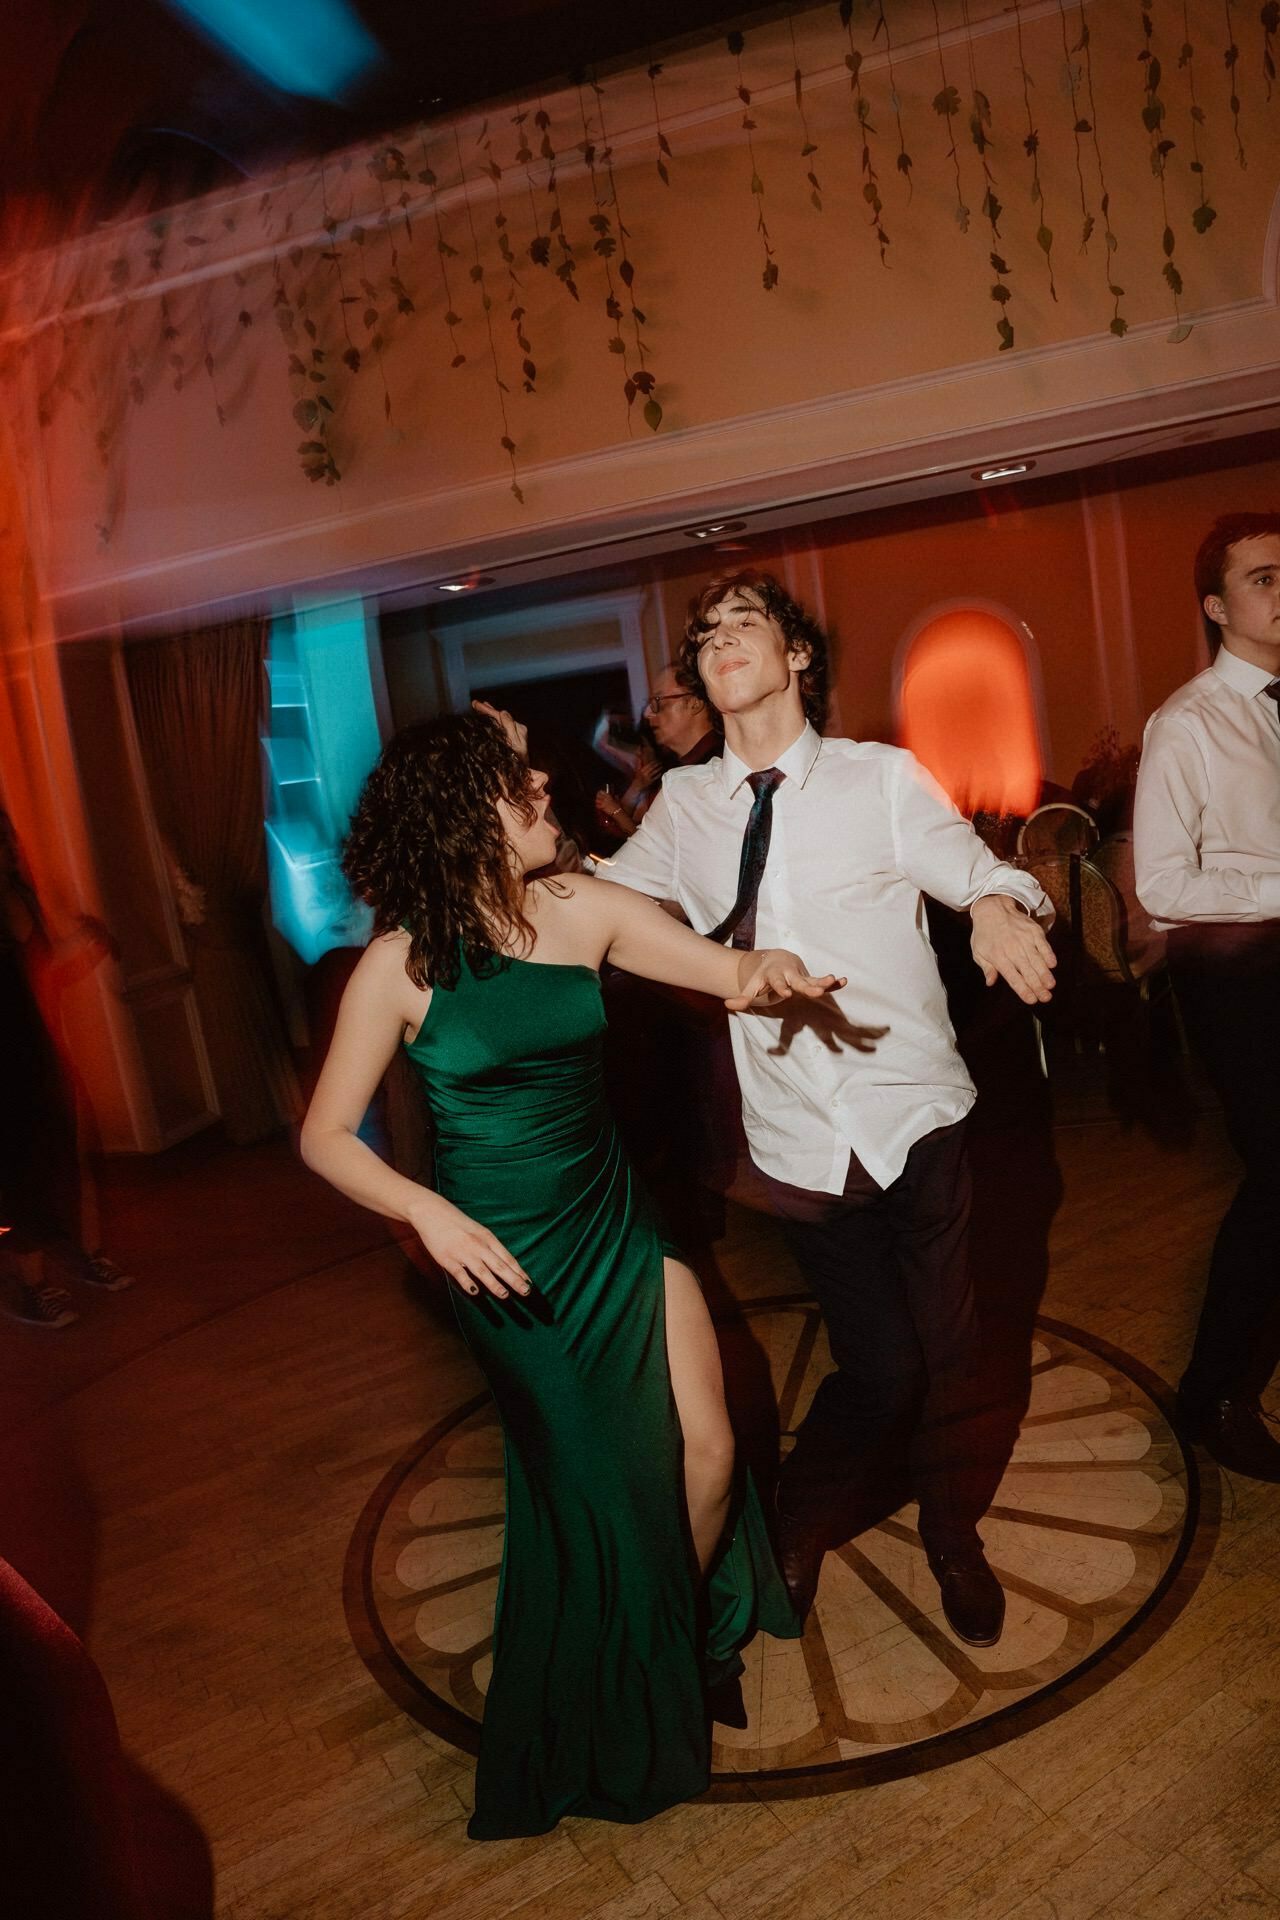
[{"x": 698, "y": 1385}]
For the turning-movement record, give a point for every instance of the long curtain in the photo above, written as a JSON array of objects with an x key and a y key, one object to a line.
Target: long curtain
[{"x": 197, "y": 701}]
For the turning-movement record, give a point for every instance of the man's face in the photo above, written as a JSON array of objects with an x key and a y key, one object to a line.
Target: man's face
[
  {"x": 1248, "y": 608},
  {"x": 743, "y": 658},
  {"x": 673, "y": 714}
]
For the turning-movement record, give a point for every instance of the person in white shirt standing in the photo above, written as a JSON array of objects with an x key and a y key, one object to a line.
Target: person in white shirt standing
[
  {"x": 856, "y": 1119},
  {"x": 1206, "y": 835}
]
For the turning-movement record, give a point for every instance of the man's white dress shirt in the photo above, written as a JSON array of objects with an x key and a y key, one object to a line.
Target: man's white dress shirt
[
  {"x": 860, "y": 832},
  {"x": 1206, "y": 823}
]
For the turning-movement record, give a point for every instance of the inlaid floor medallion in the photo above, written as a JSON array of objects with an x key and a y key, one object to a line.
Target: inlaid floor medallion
[{"x": 1093, "y": 1517}]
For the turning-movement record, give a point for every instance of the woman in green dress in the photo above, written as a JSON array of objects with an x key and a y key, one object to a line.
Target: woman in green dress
[{"x": 631, "y": 1572}]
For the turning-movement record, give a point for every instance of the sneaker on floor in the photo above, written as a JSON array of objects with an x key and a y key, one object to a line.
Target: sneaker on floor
[
  {"x": 104, "y": 1273},
  {"x": 41, "y": 1304}
]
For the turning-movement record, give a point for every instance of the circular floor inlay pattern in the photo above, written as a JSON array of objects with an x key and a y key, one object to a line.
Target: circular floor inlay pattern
[{"x": 1091, "y": 1520}]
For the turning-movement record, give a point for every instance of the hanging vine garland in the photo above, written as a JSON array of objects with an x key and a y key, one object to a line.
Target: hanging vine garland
[
  {"x": 169, "y": 334},
  {"x": 643, "y": 380},
  {"x": 476, "y": 271},
  {"x": 1270, "y": 18},
  {"x": 539, "y": 248},
  {"x": 1231, "y": 60},
  {"x": 1153, "y": 117},
  {"x": 333, "y": 254},
  {"x": 654, "y": 70},
  {"x": 194, "y": 242},
  {"x": 1079, "y": 127},
  {"x": 445, "y": 252},
  {"x": 117, "y": 337},
  {"x": 1119, "y": 325},
  {"x": 388, "y": 167},
  {"x": 904, "y": 158},
  {"x": 769, "y": 276},
  {"x": 1204, "y": 215},
  {"x": 808, "y": 146},
  {"x": 862, "y": 112},
  {"x": 947, "y": 103},
  {"x": 605, "y": 245},
  {"x": 202, "y": 315},
  {"x": 515, "y": 289},
  {"x": 979, "y": 133},
  {"x": 310, "y": 410},
  {"x": 1031, "y": 147},
  {"x": 372, "y": 319},
  {"x": 565, "y": 266}
]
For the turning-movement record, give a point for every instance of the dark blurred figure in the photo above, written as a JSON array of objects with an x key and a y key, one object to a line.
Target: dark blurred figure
[
  {"x": 1207, "y": 852},
  {"x": 41, "y": 1174},
  {"x": 84, "y": 1833},
  {"x": 668, "y": 1055},
  {"x": 1105, "y": 784}
]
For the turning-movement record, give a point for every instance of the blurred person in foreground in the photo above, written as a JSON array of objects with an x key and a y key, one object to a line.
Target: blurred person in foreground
[
  {"x": 42, "y": 1171},
  {"x": 854, "y": 1113},
  {"x": 1207, "y": 867},
  {"x": 632, "y": 1571}
]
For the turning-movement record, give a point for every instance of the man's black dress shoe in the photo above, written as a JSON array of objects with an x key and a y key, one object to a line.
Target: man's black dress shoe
[
  {"x": 1235, "y": 1432},
  {"x": 972, "y": 1597},
  {"x": 800, "y": 1551}
]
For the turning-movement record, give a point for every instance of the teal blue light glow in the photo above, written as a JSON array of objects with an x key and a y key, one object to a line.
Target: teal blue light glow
[
  {"x": 322, "y": 738},
  {"x": 315, "y": 47}
]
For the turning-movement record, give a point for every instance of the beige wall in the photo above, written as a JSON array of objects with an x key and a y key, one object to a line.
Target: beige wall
[{"x": 1098, "y": 570}]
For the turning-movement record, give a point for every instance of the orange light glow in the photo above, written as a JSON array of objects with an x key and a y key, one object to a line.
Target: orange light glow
[{"x": 967, "y": 712}]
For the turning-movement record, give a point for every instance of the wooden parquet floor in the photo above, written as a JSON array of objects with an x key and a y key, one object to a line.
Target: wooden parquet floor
[{"x": 182, "y": 1473}]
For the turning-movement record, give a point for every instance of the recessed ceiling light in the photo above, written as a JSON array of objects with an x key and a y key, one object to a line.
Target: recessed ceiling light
[
  {"x": 1008, "y": 470},
  {"x": 467, "y": 584},
  {"x": 714, "y": 529}
]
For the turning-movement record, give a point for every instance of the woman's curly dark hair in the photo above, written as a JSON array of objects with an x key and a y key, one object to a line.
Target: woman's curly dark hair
[
  {"x": 799, "y": 629},
  {"x": 427, "y": 849}
]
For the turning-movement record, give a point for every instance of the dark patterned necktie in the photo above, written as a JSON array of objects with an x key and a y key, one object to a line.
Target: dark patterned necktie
[
  {"x": 740, "y": 921},
  {"x": 1272, "y": 691}
]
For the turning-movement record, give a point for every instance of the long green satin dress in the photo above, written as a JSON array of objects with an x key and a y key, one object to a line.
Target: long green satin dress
[{"x": 601, "y": 1652}]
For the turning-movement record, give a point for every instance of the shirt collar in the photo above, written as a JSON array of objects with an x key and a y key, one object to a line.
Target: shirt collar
[
  {"x": 797, "y": 762},
  {"x": 1242, "y": 675}
]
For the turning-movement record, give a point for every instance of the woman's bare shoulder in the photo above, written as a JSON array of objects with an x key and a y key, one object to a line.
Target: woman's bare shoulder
[
  {"x": 381, "y": 971},
  {"x": 575, "y": 895}
]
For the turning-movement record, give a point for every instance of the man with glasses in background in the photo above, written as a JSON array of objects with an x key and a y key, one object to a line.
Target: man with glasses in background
[{"x": 684, "y": 735}]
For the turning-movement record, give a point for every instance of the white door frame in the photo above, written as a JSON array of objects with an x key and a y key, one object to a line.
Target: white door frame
[{"x": 467, "y": 672}]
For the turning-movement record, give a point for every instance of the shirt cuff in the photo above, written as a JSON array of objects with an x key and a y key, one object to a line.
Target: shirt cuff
[
  {"x": 1025, "y": 892},
  {"x": 1269, "y": 895}
]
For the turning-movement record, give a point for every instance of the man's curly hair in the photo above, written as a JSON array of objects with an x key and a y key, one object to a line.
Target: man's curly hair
[
  {"x": 799, "y": 629},
  {"x": 427, "y": 849}
]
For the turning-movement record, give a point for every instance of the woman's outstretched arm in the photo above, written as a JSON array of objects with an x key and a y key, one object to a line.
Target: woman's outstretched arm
[
  {"x": 638, "y": 936},
  {"x": 378, "y": 1007}
]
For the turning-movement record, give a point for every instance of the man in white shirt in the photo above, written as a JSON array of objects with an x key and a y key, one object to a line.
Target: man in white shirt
[
  {"x": 1206, "y": 836},
  {"x": 855, "y": 1117}
]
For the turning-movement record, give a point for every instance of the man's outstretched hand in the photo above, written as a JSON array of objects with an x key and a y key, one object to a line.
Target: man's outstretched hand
[{"x": 1007, "y": 944}]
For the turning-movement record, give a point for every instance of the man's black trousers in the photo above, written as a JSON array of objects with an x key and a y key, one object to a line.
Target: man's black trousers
[
  {"x": 889, "y": 1268},
  {"x": 1227, "y": 980}
]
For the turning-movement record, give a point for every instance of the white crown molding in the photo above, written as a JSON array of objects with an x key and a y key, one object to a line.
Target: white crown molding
[{"x": 1092, "y": 398}]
